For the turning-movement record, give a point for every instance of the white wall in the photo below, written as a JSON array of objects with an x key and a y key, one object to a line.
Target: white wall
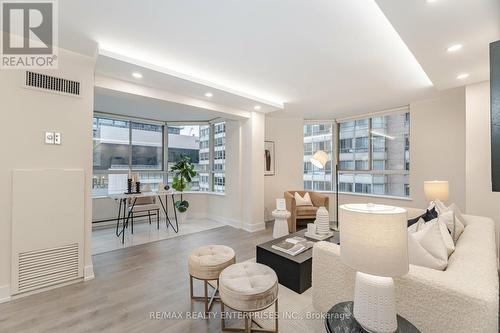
[
  {"x": 287, "y": 135},
  {"x": 481, "y": 200},
  {"x": 27, "y": 114},
  {"x": 437, "y": 151}
]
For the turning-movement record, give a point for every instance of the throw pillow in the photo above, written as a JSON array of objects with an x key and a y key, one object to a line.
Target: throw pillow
[
  {"x": 303, "y": 201},
  {"x": 427, "y": 247},
  {"x": 429, "y": 215},
  {"x": 456, "y": 220},
  {"x": 452, "y": 223},
  {"x": 445, "y": 234}
]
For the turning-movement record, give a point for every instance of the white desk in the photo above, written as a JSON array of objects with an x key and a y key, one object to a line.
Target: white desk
[{"x": 123, "y": 197}]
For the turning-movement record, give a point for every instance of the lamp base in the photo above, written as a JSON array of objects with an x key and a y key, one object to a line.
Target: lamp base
[{"x": 374, "y": 303}]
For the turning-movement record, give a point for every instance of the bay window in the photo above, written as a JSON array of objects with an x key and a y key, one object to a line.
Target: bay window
[{"x": 150, "y": 149}]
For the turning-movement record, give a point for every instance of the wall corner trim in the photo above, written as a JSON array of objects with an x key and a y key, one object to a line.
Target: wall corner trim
[
  {"x": 5, "y": 293},
  {"x": 88, "y": 273}
]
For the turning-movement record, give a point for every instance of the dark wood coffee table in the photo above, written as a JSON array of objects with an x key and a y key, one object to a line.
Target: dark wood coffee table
[{"x": 294, "y": 272}]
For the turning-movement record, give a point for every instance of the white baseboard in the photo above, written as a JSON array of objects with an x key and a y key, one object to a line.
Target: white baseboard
[
  {"x": 5, "y": 293},
  {"x": 254, "y": 227},
  {"x": 88, "y": 273},
  {"x": 225, "y": 220}
]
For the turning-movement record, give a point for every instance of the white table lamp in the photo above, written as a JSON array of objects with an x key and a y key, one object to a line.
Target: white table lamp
[
  {"x": 373, "y": 241},
  {"x": 436, "y": 189}
]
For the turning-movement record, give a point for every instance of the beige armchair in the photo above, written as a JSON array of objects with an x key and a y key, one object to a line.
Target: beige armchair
[{"x": 303, "y": 212}]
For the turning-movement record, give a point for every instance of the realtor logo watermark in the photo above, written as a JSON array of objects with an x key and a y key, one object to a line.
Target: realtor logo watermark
[{"x": 29, "y": 34}]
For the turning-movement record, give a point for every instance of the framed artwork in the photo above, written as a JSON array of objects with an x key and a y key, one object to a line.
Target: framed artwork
[{"x": 269, "y": 160}]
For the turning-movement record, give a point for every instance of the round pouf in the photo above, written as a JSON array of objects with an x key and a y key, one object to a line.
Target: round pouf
[
  {"x": 206, "y": 262},
  {"x": 248, "y": 286},
  {"x": 280, "y": 228}
]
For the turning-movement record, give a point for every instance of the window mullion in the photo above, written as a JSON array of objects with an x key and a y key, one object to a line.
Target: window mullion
[{"x": 130, "y": 146}]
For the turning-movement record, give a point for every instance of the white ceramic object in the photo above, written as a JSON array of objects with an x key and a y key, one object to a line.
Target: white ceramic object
[
  {"x": 375, "y": 303},
  {"x": 322, "y": 221},
  {"x": 318, "y": 237},
  {"x": 280, "y": 223},
  {"x": 181, "y": 217}
]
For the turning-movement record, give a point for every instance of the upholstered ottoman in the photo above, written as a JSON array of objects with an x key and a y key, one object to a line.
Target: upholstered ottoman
[
  {"x": 248, "y": 287},
  {"x": 206, "y": 263}
]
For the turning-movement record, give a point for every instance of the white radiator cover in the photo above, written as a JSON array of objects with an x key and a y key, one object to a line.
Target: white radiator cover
[{"x": 48, "y": 219}]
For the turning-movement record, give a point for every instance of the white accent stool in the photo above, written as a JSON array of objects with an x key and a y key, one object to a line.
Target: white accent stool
[
  {"x": 205, "y": 264},
  {"x": 248, "y": 287},
  {"x": 280, "y": 223}
]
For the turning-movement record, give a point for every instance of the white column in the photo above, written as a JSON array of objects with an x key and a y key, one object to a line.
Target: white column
[{"x": 252, "y": 175}]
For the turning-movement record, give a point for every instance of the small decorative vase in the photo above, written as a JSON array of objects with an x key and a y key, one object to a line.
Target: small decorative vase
[
  {"x": 322, "y": 221},
  {"x": 181, "y": 217}
]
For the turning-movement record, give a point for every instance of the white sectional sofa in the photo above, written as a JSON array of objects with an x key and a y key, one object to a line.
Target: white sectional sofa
[{"x": 461, "y": 299}]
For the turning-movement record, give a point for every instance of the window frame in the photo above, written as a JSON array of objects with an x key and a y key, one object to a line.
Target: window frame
[
  {"x": 370, "y": 170},
  {"x": 165, "y": 124},
  {"x": 131, "y": 120}
]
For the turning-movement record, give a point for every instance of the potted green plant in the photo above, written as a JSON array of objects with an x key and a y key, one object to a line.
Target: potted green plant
[{"x": 183, "y": 172}]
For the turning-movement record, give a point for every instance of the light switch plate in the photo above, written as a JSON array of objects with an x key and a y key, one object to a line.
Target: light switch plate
[
  {"x": 49, "y": 138},
  {"x": 57, "y": 138}
]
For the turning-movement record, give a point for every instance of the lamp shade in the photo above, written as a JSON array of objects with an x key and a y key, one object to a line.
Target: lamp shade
[
  {"x": 436, "y": 189},
  {"x": 373, "y": 239},
  {"x": 319, "y": 159}
]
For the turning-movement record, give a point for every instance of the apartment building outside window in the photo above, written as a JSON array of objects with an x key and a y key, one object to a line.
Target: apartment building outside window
[
  {"x": 318, "y": 137},
  {"x": 373, "y": 154},
  {"x": 219, "y": 160},
  {"x": 122, "y": 145}
]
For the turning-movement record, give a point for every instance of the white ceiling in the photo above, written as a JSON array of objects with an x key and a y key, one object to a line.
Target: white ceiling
[
  {"x": 114, "y": 102},
  {"x": 120, "y": 67},
  {"x": 322, "y": 58},
  {"x": 430, "y": 28}
]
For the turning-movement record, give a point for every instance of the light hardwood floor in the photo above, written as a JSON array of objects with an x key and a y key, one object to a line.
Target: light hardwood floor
[
  {"x": 104, "y": 238},
  {"x": 130, "y": 283}
]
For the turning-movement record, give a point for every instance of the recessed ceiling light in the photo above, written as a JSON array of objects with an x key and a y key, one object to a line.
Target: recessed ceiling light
[
  {"x": 462, "y": 76},
  {"x": 137, "y": 75},
  {"x": 208, "y": 94},
  {"x": 430, "y": 1},
  {"x": 455, "y": 48},
  {"x": 257, "y": 107}
]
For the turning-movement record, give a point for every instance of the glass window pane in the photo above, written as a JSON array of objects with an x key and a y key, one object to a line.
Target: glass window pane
[
  {"x": 318, "y": 137},
  {"x": 111, "y": 144},
  {"x": 184, "y": 140},
  {"x": 219, "y": 157},
  {"x": 391, "y": 145},
  {"x": 354, "y": 144},
  {"x": 203, "y": 169},
  {"x": 147, "y": 146}
]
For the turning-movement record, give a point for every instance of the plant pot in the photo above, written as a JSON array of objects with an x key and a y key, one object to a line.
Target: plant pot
[{"x": 181, "y": 217}]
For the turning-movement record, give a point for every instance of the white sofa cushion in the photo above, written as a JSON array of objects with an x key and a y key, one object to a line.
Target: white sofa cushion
[
  {"x": 453, "y": 218},
  {"x": 427, "y": 246}
]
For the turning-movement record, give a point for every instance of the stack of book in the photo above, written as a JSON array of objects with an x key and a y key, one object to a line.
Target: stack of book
[{"x": 293, "y": 246}]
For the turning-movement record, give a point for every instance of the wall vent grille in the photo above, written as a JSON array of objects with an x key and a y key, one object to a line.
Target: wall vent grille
[
  {"x": 43, "y": 268},
  {"x": 52, "y": 83}
]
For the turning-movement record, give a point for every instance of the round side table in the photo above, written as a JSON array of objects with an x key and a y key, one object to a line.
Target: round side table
[
  {"x": 280, "y": 223},
  {"x": 341, "y": 319}
]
